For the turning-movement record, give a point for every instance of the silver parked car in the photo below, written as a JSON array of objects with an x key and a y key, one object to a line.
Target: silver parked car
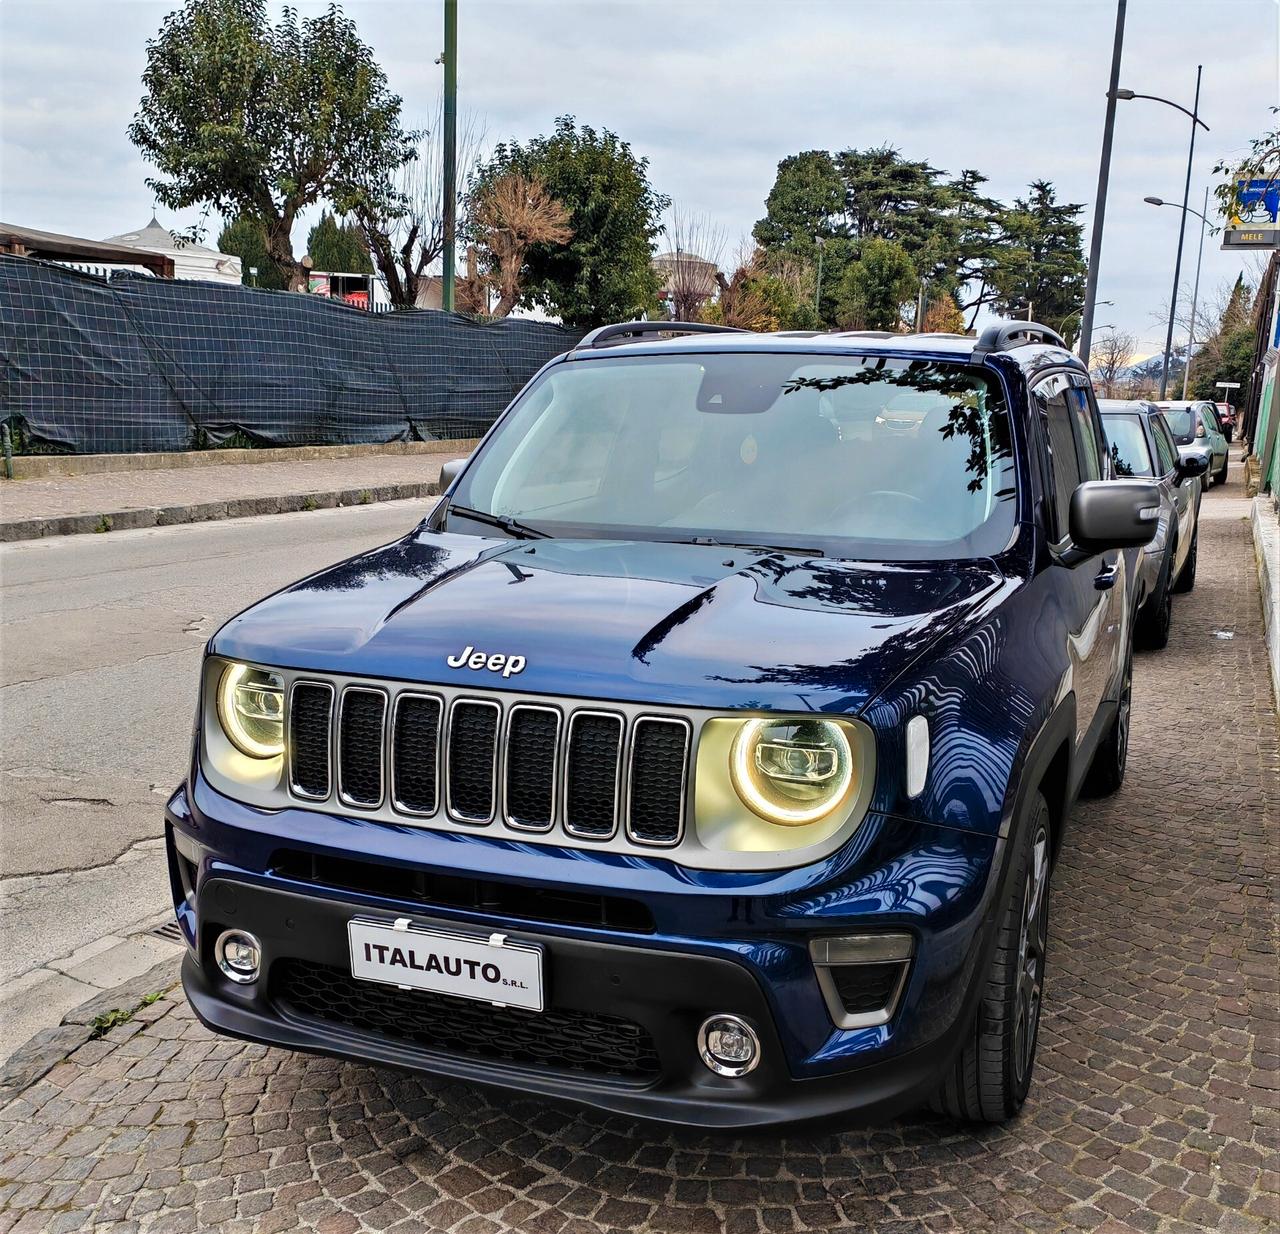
[
  {"x": 1141, "y": 444},
  {"x": 1195, "y": 427}
]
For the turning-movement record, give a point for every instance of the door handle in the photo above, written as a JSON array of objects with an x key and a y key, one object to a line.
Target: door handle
[{"x": 1105, "y": 579}]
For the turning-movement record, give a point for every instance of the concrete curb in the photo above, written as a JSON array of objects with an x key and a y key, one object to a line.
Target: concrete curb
[
  {"x": 1266, "y": 544},
  {"x": 210, "y": 511},
  {"x": 43, "y": 466},
  {"x": 28, "y": 1063}
]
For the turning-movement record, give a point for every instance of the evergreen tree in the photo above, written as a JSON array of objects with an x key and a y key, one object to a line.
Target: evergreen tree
[
  {"x": 338, "y": 247},
  {"x": 873, "y": 289},
  {"x": 246, "y": 237},
  {"x": 1040, "y": 268}
]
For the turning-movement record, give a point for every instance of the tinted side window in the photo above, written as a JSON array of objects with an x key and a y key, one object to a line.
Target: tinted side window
[
  {"x": 1088, "y": 449},
  {"x": 1166, "y": 451},
  {"x": 1210, "y": 417},
  {"x": 1058, "y": 420}
]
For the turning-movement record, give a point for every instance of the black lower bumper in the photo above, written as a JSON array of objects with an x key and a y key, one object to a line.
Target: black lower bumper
[{"x": 662, "y": 996}]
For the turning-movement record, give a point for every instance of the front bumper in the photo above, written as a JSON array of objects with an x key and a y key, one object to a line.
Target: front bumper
[{"x": 717, "y": 943}]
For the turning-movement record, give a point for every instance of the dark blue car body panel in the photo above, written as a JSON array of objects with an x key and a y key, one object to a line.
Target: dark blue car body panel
[{"x": 980, "y": 647}]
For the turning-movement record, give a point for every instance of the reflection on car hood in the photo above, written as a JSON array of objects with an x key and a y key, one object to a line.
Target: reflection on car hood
[{"x": 637, "y": 621}]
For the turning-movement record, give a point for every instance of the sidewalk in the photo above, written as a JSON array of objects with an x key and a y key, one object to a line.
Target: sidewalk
[{"x": 115, "y": 501}]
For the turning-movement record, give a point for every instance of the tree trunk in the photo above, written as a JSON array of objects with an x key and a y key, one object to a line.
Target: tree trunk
[{"x": 280, "y": 250}]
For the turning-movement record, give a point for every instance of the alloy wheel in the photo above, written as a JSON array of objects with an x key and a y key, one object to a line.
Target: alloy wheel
[{"x": 1031, "y": 954}]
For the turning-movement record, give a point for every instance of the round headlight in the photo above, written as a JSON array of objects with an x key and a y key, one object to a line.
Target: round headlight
[
  {"x": 251, "y": 710},
  {"x": 792, "y": 772}
]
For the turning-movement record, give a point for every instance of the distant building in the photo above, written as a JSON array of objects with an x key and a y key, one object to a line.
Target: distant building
[
  {"x": 190, "y": 261},
  {"x": 688, "y": 280},
  {"x": 94, "y": 256}
]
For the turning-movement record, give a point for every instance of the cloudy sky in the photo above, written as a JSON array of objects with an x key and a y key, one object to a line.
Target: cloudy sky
[{"x": 715, "y": 92}]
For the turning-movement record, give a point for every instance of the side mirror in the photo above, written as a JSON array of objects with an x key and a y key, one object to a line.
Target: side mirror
[
  {"x": 1107, "y": 514},
  {"x": 1190, "y": 465},
  {"x": 449, "y": 472}
]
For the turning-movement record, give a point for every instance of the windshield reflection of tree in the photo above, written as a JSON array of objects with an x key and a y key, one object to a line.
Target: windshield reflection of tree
[{"x": 985, "y": 427}]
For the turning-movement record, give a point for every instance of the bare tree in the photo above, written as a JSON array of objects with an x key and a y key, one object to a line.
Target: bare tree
[
  {"x": 689, "y": 269},
  {"x": 1112, "y": 354},
  {"x": 407, "y": 244},
  {"x": 513, "y": 213}
]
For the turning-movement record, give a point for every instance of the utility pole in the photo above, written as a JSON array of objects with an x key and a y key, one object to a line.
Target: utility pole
[
  {"x": 1182, "y": 231},
  {"x": 450, "y": 152},
  {"x": 1100, "y": 201},
  {"x": 1195, "y": 295}
]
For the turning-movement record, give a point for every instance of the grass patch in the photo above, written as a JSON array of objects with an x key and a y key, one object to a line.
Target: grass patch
[{"x": 108, "y": 1020}]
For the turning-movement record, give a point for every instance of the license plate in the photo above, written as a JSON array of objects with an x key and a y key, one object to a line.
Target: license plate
[{"x": 489, "y": 970}]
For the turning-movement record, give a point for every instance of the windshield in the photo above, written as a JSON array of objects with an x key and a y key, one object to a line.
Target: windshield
[
  {"x": 1180, "y": 424},
  {"x": 850, "y": 456},
  {"x": 1129, "y": 450}
]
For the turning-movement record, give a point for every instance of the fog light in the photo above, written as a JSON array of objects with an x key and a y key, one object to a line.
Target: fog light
[
  {"x": 728, "y": 1045},
  {"x": 239, "y": 955}
]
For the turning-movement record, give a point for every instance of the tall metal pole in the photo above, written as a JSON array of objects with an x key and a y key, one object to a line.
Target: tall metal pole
[
  {"x": 1195, "y": 293},
  {"x": 1100, "y": 201},
  {"x": 1182, "y": 229},
  {"x": 450, "y": 152}
]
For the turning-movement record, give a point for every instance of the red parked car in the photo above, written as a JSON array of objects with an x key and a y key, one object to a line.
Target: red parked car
[{"x": 1227, "y": 418}]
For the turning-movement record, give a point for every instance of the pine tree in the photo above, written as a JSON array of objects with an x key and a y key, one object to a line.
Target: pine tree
[
  {"x": 1040, "y": 270},
  {"x": 338, "y": 248}
]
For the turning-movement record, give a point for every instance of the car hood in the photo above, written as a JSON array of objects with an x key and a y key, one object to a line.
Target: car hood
[{"x": 693, "y": 625}]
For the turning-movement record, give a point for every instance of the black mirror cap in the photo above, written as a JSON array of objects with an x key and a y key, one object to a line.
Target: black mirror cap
[
  {"x": 1107, "y": 514},
  {"x": 450, "y": 472},
  {"x": 1192, "y": 465}
]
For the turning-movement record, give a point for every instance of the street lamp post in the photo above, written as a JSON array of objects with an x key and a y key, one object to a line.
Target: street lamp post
[
  {"x": 1195, "y": 290},
  {"x": 817, "y": 291},
  {"x": 1100, "y": 201},
  {"x": 1194, "y": 113},
  {"x": 450, "y": 177}
]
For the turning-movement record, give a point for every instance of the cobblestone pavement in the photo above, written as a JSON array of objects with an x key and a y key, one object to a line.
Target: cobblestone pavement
[{"x": 1156, "y": 1106}]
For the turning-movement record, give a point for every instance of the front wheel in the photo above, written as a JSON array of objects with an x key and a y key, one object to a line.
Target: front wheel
[
  {"x": 1186, "y": 579},
  {"x": 1151, "y": 630},
  {"x": 989, "y": 1080},
  {"x": 1106, "y": 772}
]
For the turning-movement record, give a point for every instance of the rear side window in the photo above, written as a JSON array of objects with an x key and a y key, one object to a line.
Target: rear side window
[
  {"x": 1088, "y": 447},
  {"x": 1166, "y": 451},
  {"x": 1058, "y": 419},
  {"x": 1129, "y": 453}
]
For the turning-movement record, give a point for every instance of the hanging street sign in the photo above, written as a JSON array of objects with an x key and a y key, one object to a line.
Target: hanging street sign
[{"x": 1256, "y": 223}]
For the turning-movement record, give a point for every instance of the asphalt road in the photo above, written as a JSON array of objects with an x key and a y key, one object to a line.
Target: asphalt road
[{"x": 100, "y": 640}]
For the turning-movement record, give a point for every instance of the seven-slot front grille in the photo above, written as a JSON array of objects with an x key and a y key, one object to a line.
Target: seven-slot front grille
[{"x": 532, "y": 766}]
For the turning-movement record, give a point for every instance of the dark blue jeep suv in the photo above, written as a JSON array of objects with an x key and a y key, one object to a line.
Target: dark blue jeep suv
[{"x": 703, "y": 756}]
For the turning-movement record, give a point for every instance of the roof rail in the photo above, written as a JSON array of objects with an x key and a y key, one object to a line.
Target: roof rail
[
  {"x": 623, "y": 331},
  {"x": 1006, "y": 335}
]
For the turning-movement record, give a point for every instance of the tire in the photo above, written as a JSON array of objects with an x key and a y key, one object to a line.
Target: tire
[
  {"x": 1106, "y": 772},
  {"x": 1151, "y": 629},
  {"x": 1220, "y": 477},
  {"x": 990, "y": 1079},
  {"x": 1186, "y": 579}
]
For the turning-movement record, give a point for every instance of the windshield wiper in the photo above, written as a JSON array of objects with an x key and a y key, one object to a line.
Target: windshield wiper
[
  {"x": 767, "y": 548},
  {"x": 513, "y": 528}
]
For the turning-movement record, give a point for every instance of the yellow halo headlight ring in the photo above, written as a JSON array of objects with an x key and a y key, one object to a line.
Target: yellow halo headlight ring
[
  {"x": 251, "y": 710},
  {"x": 793, "y": 771}
]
